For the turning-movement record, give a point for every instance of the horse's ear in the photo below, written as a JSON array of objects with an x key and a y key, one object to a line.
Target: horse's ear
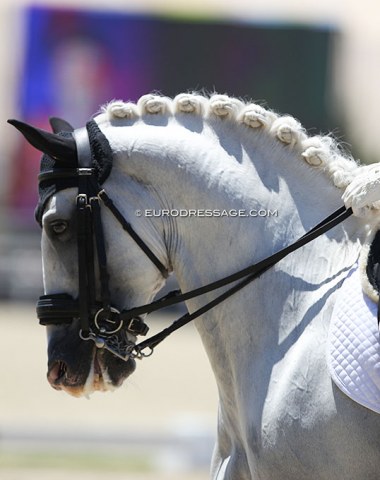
[
  {"x": 60, "y": 125},
  {"x": 57, "y": 146}
]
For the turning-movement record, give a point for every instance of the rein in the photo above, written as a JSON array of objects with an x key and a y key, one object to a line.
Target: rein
[
  {"x": 251, "y": 273},
  {"x": 99, "y": 320}
]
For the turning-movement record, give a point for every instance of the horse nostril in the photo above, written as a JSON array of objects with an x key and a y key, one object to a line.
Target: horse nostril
[{"x": 57, "y": 373}]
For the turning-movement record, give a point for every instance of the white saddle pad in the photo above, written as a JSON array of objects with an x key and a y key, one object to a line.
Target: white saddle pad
[{"x": 353, "y": 345}]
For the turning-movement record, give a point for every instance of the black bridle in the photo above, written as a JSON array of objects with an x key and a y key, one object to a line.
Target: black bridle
[{"x": 100, "y": 321}]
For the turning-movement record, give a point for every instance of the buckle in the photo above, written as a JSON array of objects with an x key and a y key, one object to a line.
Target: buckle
[
  {"x": 82, "y": 200},
  {"x": 137, "y": 327},
  {"x": 84, "y": 171}
]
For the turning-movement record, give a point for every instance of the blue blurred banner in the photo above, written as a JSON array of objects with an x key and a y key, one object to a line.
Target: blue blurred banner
[{"x": 76, "y": 60}]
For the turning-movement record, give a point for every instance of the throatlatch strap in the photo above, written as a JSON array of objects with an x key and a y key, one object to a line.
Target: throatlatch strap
[{"x": 128, "y": 228}]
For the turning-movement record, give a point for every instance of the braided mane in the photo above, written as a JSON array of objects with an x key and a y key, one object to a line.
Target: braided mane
[{"x": 320, "y": 152}]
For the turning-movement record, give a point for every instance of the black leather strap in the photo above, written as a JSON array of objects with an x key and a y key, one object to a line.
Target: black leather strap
[
  {"x": 83, "y": 261},
  {"x": 256, "y": 269},
  {"x": 101, "y": 252},
  {"x": 57, "y": 173},
  {"x": 128, "y": 228},
  {"x": 83, "y": 147}
]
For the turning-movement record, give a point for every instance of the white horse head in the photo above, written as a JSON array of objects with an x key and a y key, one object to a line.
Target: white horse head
[{"x": 213, "y": 185}]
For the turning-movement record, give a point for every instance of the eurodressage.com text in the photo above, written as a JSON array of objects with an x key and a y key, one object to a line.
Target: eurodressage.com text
[{"x": 192, "y": 212}]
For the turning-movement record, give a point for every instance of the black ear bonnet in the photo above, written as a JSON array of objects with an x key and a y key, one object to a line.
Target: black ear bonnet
[{"x": 101, "y": 163}]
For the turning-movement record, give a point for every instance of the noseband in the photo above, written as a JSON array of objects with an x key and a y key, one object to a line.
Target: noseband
[{"x": 99, "y": 320}]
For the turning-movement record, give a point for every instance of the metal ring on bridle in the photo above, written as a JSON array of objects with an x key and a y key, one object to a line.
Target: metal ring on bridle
[
  {"x": 108, "y": 321},
  {"x": 140, "y": 354}
]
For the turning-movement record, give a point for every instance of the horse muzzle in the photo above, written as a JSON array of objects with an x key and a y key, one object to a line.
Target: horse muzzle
[{"x": 79, "y": 368}]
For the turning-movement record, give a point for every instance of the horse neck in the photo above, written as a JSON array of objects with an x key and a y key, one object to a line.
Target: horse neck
[
  {"x": 192, "y": 174},
  {"x": 175, "y": 168}
]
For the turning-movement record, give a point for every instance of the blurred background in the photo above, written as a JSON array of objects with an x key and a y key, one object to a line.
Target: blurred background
[{"x": 319, "y": 61}]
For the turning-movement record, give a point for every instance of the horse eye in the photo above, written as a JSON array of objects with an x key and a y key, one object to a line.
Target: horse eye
[{"x": 59, "y": 226}]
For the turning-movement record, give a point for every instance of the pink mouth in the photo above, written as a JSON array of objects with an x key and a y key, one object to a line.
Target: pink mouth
[{"x": 56, "y": 375}]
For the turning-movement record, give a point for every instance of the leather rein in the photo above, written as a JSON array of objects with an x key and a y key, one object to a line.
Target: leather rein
[{"x": 99, "y": 321}]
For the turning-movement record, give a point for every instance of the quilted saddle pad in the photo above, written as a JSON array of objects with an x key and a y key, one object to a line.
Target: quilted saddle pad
[{"x": 353, "y": 344}]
